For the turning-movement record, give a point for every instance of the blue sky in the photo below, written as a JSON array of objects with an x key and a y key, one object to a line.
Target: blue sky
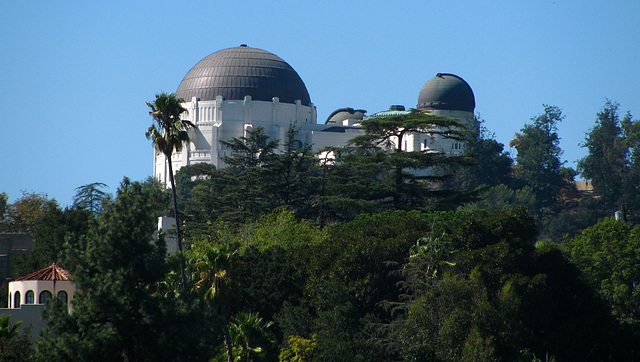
[{"x": 75, "y": 75}]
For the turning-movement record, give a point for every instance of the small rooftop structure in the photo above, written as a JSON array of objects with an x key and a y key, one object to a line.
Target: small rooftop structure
[
  {"x": 29, "y": 294},
  {"x": 394, "y": 110},
  {"x": 42, "y": 285}
]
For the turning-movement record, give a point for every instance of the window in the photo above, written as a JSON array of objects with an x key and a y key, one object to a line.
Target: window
[
  {"x": 63, "y": 295},
  {"x": 28, "y": 298},
  {"x": 16, "y": 300},
  {"x": 44, "y": 296},
  {"x": 295, "y": 145}
]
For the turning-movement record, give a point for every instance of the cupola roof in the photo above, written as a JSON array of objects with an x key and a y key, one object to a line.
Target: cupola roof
[{"x": 52, "y": 272}]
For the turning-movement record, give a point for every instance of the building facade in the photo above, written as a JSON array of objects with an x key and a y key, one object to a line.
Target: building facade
[{"x": 238, "y": 89}]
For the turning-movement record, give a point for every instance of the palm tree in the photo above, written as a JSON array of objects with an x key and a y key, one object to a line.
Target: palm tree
[
  {"x": 250, "y": 335},
  {"x": 213, "y": 267},
  {"x": 7, "y": 331},
  {"x": 169, "y": 134}
]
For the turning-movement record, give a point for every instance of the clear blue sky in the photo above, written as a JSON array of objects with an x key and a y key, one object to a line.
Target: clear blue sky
[{"x": 75, "y": 75}]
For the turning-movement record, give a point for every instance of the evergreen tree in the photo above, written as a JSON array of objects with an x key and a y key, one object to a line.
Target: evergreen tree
[
  {"x": 91, "y": 197},
  {"x": 377, "y": 172},
  {"x": 117, "y": 267},
  {"x": 239, "y": 192},
  {"x": 491, "y": 165},
  {"x": 538, "y": 159},
  {"x": 612, "y": 159},
  {"x": 291, "y": 175}
]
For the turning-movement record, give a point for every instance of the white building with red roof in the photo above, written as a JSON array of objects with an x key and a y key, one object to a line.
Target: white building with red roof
[{"x": 40, "y": 286}]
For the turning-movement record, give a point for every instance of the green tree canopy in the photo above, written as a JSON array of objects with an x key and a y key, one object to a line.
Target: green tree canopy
[
  {"x": 27, "y": 213},
  {"x": 482, "y": 292},
  {"x": 608, "y": 254},
  {"x": 491, "y": 165},
  {"x": 117, "y": 268},
  {"x": 91, "y": 197},
  {"x": 538, "y": 158},
  {"x": 612, "y": 162},
  {"x": 377, "y": 172}
]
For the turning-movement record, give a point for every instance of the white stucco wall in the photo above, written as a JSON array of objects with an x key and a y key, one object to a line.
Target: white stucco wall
[{"x": 38, "y": 286}]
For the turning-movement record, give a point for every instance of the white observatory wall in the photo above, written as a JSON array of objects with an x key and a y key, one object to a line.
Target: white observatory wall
[
  {"x": 439, "y": 143},
  {"x": 224, "y": 120}
]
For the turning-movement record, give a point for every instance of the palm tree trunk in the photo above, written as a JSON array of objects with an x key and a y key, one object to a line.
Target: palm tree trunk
[
  {"x": 227, "y": 341},
  {"x": 175, "y": 215}
]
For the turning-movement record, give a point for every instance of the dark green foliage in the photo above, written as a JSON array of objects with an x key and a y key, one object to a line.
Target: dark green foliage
[
  {"x": 292, "y": 181},
  {"x": 4, "y": 200},
  {"x": 502, "y": 197},
  {"x": 538, "y": 159},
  {"x": 410, "y": 179},
  {"x": 609, "y": 256},
  {"x": 491, "y": 165},
  {"x": 14, "y": 344},
  {"x": 237, "y": 193},
  {"x": 258, "y": 179},
  {"x": 482, "y": 292},
  {"x": 119, "y": 312},
  {"x": 52, "y": 238},
  {"x": 189, "y": 177},
  {"x": 251, "y": 338},
  {"x": 612, "y": 160}
]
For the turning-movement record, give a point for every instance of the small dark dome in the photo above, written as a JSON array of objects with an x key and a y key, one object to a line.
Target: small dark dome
[
  {"x": 243, "y": 71},
  {"x": 341, "y": 114},
  {"x": 447, "y": 92}
]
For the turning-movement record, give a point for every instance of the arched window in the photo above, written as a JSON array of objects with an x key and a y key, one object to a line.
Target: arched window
[
  {"x": 28, "y": 298},
  {"x": 16, "y": 300},
  {"x": 44, "y": 296},
  {"x": 63, "y": 295}
]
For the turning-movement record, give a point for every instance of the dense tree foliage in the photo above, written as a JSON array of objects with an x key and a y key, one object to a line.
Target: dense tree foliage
[
  {"x": 410, "y": 179},
  {"x": 612, "y": 160},
  {"x": 27, "y": 213},
  {"x": 355, "y": 254},
  {"x": 491, "y": 165},
  {"x": 609, "y": 255},
  {"x": 538, "y": 158},
  {"x": 119, "y": 312},
  {"x": 258, "y": 179}
]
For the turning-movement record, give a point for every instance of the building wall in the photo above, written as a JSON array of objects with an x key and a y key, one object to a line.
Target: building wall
[
  {"x": 12, "y": 245},
  {"x": 38, "y": 286},
  {"x": 219, "y": 119},
  {"x": 31, "y": 317}
]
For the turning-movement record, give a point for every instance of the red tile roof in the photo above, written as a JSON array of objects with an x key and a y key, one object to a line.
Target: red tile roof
[{"x": 52, "y": 272}]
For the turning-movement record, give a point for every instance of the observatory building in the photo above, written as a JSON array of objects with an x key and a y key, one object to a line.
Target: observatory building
[{"x": 238, "y": 89}]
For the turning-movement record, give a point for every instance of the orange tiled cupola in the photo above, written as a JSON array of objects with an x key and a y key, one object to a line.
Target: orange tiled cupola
[
  {"x": 52, "y": 272},
  {"x": 42, "y": 285}
]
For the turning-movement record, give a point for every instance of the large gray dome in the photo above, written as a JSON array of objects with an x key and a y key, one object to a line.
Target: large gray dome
[
  {"x": 446, "y": 92},
  {"x": 243, "y": 71}
]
